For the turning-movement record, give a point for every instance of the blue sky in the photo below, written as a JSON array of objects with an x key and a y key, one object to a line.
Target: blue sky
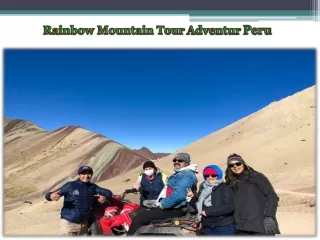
[{"x": 161, "y": 99}]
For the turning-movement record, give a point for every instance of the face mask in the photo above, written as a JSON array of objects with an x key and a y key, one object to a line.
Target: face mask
[
  {"x": 149, "y": 172},
  {"x": 177, "y": 169}
]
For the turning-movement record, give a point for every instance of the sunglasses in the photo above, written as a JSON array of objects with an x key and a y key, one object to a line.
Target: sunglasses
[
  {"x": 210, "y": 175},
  {"x": 231, "y": 165},
  {"x": 177, "y": 160}
]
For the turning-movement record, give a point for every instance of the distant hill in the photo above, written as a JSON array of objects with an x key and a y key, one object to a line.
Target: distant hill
[
  {"x": 161, "y": 155},
  {"x": 37, "y": 161},
  {"x": 148, "y": 154}
]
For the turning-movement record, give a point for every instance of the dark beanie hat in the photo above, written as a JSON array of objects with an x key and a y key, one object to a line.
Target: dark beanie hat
[
  {"x": 85, "y": 169},
  {"x": 149, "y": 164},
  {"x": 235, "y": 157}
]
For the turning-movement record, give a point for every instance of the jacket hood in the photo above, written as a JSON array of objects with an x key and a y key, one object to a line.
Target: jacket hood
[
  {"x": 192, "y": 167},
  {"x": 216, "y": 168}
]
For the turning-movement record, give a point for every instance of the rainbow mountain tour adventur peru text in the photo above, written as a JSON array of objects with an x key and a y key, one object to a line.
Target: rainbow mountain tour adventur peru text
[{"x": 159, "y": 30}]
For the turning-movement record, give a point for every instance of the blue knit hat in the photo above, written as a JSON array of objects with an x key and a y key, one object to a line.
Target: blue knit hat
[{"x": 215, "y": 168}]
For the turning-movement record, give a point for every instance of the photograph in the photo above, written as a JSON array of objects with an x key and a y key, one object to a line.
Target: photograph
[{"x": 159, "y": 142}]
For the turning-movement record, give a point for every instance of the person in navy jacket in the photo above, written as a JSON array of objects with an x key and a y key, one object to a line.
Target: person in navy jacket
[
  {"x": 149, "y": 183},
  {"x": 78, "y": 202}
]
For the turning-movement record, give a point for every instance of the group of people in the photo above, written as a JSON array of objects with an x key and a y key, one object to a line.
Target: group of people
[{"x": 242, "y": 203}]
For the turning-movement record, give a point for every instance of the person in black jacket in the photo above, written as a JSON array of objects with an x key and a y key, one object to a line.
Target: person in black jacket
[
  {"x": 256, "y": 201},
  {"x": 214, "y": 203},
  {"x": 150, "y": 184},
  {"x": 78, "y": 202}
]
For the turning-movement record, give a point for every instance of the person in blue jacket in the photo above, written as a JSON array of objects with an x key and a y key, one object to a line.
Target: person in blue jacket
[
  {"x": 172, "y": 198},
  {"x": 78, "y": 202}
]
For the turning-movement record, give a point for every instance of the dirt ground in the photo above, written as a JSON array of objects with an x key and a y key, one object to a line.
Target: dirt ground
[{"x": 296, "y": 216}]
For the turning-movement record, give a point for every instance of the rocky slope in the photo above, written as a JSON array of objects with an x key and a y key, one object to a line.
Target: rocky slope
[
  {"x": 278, "y": 140},
  {"x": 37, "y": 160}
]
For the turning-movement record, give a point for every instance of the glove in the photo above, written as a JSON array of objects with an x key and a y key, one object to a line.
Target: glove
[
  {"x": 151, "y": 203},
  {"x": 134, "y": 190},
  {"x": 270, "y": 225},
  {"x": 129, "y": 191}
]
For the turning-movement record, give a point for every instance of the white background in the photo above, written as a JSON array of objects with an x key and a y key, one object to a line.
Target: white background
[{"x": 26, "y": 32}]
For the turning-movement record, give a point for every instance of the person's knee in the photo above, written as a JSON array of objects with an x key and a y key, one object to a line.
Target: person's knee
[
  {"x": 141, "y": 219},
  {"x": 136, "y": 213},
  {"x": 133, "y": 214},
  {"x": 64, "y": 228}
]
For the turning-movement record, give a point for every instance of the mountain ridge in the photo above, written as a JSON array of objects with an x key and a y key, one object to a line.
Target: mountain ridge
[
  {"x": 146, "y": 152},
  {"x": 47, "y": 159}
]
